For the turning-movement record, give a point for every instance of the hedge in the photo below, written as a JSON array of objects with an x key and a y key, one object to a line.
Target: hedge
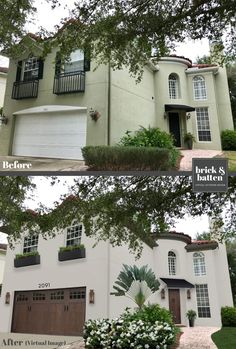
[
  {"x": 115, "y": 158},
  {"x": 228, "y": 140},
  {"x": 228, "y": 316}
]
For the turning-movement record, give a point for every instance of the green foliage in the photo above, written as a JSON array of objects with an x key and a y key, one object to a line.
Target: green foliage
[
  {"x": 228, "y": 316},
  {"x": 203, "y": 236},
  {"x": 28, "y": 254},
  {"x": 191, "y": 314},
  {"x": 71, "y": 248},
  {"x": 189, "y": 137},
  {"x": 148, "y": 137},
  {"x": 117, "y": 158},
  {"x": 225, "y": 338},
  {"x": 136, "y": 283},
  {"x": 228, "y": 140}
]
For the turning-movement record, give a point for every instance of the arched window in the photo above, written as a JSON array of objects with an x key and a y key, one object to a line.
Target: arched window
[
  {"x": 199, "y": 88},
  {"x": 172, "y": 263},
  {"x": 199, "y": 264},
  {"x": 174, "y": 90}
]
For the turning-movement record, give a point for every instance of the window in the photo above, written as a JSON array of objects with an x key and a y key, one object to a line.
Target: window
[
  {"x": 199, "y": 264},
  {"x": 203, "y": 305},
  {"x": 76, "y": 62},
  {"x": 199, "y": 88},
  {"x": 174, "y": 91},
  {"x": 30, "y": 244},
  {"x": 74, "y": 235},
  {"x": 203, "y": 125},
  {"x": 30, "y": 69},
  {"x": 172, "y": 263}
]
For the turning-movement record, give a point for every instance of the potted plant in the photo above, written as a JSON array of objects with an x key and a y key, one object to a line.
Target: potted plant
[
  {"x": 71, "y": 252},
  {"x": 191, "y": 315},
  {"x": 26, "y": 259},
  {"x": 189, "y": 139}
]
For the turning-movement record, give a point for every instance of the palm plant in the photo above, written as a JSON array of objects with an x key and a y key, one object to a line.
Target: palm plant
[{"x": 136, "y": 283}]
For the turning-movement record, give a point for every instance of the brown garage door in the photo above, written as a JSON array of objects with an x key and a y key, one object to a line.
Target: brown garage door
[{"x": 58, "y": 312}]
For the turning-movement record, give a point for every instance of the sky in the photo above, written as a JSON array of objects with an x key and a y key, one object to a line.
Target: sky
[
  {"x": 48, "y": 18},
  {"x": 47, "y": 194}
]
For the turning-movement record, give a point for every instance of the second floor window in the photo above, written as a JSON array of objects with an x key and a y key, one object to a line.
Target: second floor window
[
  {"x": 30, "y": 244},
  {"x": 174, "y": 91},
  {"x": 30, "y": 69},
  {"x": 199, "y": 264},
  {"x": 199, "y": 88},
  {"x": 74, "y": 233},
  {"x": 172, "y": 263},
  {"x": 76, "y": 62}
]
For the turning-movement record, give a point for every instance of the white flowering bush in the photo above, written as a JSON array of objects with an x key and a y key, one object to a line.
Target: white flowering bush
[{"x": 120, "y": 334}]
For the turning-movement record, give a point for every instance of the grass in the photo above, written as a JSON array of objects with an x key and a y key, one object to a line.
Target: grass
[
  {"x": 231, "y": 156},
  {"x": 225, "y": 338}
]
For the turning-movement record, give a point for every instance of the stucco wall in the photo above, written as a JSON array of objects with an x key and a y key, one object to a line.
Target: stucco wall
[{"x": 3, "y": 80}]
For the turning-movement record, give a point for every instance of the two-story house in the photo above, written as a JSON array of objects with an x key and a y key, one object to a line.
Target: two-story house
[
  {"x": 53, "y": 107},
  {"x": 56, "y": 292}
]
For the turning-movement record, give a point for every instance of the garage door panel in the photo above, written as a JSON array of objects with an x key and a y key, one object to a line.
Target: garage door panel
[{"x": 53, "y": 136}]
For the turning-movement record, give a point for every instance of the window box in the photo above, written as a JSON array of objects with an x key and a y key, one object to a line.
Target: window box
[
  {"x": 27, "y": 259},
  {"x": 71, "y": 252}
]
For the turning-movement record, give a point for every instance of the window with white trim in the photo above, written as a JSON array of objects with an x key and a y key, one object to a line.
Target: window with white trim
[
  {"x": 199, "y": 264},
  {"x": 199, "y": 88},
  {"x": 174, "y": 90},
  {"x": 203, "y": 304},
  {"x": 30, "y": 243},
  {"x": 74, "y": 233},
  {"x": 203, "y": 125},
  {"x": 31, "y": 69},
  {"x": 75, "y": 63},
  {"x": 172, "y": 263}
]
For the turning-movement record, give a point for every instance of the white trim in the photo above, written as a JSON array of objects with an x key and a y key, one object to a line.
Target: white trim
[{"x": 50, "y": 109}]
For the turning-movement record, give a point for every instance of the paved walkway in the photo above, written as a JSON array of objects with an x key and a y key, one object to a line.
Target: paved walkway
[
  {"x": 197, "y": 338},
  {"x": 188, "y": 155}
]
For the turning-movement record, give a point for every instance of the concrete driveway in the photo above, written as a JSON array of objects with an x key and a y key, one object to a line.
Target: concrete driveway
[{"x": 27, "y": 164}]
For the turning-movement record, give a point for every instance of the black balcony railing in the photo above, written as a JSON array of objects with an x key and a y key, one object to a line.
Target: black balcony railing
[
  {"x": 25, "y": 89},
  {"x": 69, "y": 82}
]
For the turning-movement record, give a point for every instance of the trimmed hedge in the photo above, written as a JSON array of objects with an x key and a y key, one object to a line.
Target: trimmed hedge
[
  {"x": 228, "y": 316},
  {"x": 113, "y": 158},
  {"x": 228, "y": 140}
]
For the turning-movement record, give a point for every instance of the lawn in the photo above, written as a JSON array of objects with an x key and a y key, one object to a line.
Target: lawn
[
  {"x": 231, "y": 155},
  {"x": 225, "y": 338}
]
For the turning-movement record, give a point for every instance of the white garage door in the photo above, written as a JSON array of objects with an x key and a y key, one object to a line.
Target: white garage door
[{"x": 50, "y": 134}]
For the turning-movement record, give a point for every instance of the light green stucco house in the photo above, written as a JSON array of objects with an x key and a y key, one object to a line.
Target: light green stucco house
[{"x": 55, "y": 109}]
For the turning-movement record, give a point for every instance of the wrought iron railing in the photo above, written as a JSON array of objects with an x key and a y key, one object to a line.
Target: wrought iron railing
[
  {"x": 25, "y": 89},
  {"x": 69, "y": 82}
]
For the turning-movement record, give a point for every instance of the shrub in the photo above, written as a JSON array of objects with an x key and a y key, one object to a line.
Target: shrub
[
  {"x": 129, "y": 158},
  {"x": 119, "y": 334},
  {"x": 71, "y": 248},
  {"x": 148, "y": 137},
  {"x": 228, "y": 140},
  {"x": 28, "y": 254},
  {"x": 228, "y": 316}
]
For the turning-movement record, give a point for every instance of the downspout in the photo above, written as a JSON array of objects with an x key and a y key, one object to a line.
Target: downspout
[
  {"x": 108, "y": 278},
  {"x": 109, "y": 106}
]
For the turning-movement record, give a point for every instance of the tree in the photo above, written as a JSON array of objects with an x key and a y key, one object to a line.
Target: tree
[
  {"x": 124, "y": 210},
  {"x": 128, "y": 32},
  {"x": 203, "y": 236},
  {"x": 136, "y": 283}
]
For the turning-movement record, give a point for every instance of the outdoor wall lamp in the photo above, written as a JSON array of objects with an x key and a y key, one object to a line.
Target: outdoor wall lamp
[
  {"x": 7, "y": 298},
  {"x": 163, "y": 295},
  {"x": 188, "y": 294},
  {"x": 91, "y": 297},
  {"x": 3, "y": 119},
  {"x": 188, "y": 116},
  {"x": 94, "y": 114}
]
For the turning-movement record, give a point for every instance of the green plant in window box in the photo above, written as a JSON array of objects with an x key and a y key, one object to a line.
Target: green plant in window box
[
  {"x": 189, "y": 139},
  {"x": 72, "y": 248},
  {"x": 27, "y": 254}
]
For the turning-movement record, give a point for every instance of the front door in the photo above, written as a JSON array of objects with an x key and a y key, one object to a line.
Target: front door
[
  {"x": 174, "y": 128},
  {"x": 174, "y": 305}
]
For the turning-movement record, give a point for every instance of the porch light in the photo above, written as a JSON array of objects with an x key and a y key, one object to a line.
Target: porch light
[
  {"x": 91, "y": 297},
  {"x": 188, "y": 116},
  {"x": 163, "y": 295},
  {"x": 3, "y": 119},
  {"x": 188, "y": 294},
  {"x": 94, "y": 114}
]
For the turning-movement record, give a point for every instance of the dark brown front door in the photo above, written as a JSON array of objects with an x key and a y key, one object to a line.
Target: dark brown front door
[
  {"x": 54, "y": 312},
  {"x": 174, "y": 127},
  {"x": 174, "y": 305}
]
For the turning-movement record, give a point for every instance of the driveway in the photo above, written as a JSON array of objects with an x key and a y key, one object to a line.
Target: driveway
[
  {"x": 197, "y": 338},
  {"x": 27, "y": 164},
  {"x": 188, "y": 155}
]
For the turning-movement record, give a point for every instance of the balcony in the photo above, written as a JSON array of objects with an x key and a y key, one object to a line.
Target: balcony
[
  {"x": 25, "y": 89},
  {"x": 69, "y": 83}
]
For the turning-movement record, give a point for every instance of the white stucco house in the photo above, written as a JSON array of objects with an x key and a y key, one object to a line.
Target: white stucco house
[
  {"x": 52, "y": 106},
  {"x": 54, "y": 293}
]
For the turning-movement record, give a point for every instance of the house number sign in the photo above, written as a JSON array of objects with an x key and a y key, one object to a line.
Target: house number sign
[{"x": 44, "y": 285}]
